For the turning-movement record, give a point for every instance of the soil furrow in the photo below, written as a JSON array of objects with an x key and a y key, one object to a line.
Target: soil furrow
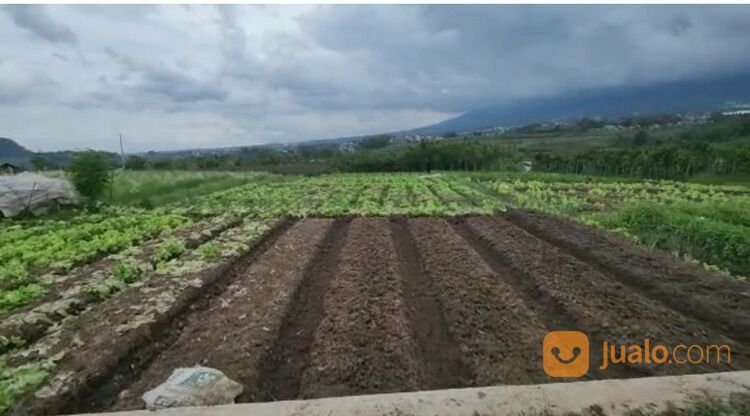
[
  {"x": 716, "y": 300},
  {"x": 440, "y": 355},
  {"x": 364, "y": 342},
  {"x": 111, "y": 343},
  {"x": 290, "y": 355},
  {"x": 602, "y": 307},
  {"x": 550, "y": 311},
  {"x": 236, "y": 329},
  {"x": 499, "y": 337}
]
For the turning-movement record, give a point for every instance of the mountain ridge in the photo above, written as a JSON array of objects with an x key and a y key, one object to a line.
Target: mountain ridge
[
  {"x": 667, "y": 97},
  {"x": 9, "y": 148}
]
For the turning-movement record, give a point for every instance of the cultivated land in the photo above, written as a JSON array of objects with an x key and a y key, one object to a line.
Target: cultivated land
[{"x": 355, "y": 284}]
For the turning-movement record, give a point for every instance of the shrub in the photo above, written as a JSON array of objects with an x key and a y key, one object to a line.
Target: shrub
[{"x": 89, "y": 173}]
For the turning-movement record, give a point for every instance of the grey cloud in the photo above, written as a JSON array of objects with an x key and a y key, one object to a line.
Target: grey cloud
[
  {"x": 35, "y": 20},
  {"x": 288, "y": 73},
  {"x": 481, "y": 54},
  {"x": 168, "y": 83}
]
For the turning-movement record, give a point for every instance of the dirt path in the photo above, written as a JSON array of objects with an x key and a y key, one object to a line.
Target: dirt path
[
  {"x": 716, "y": 300},
  {"x": 364, "y": 342},
  {"x": 600, "y": 305},
  {"x": 238, "y": 327},
  {"x": 500, "y": 338}
]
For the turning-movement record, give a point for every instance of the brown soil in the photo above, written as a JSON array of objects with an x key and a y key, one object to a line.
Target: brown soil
[
  {"x": 598, "y": 304},
  {"x": 440, "y": 354},
  {"x": 714, "y": 299},
  {"x": 363, "y": 343},
  {"x": 238, "y": 327},
  {"x": 290, "y": 355},
  {"x": 373, "y": 305},
  {"x": 499, "y": 337}
]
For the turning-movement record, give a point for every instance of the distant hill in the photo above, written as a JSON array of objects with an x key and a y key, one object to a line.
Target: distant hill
[
  {"x": 12, "y": 150},
  {"x": 670, "y": 97}
]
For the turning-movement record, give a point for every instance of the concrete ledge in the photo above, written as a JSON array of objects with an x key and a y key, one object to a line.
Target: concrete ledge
[{"x": 615, "y": 397}]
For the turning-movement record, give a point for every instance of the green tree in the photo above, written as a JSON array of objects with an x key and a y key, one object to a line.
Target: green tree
[
  {"x": 39, "y": 163},
  {"x": 640, "y": 138},
  {"x": 89, "y": 173},
  {"x": 135, "y": 163}
]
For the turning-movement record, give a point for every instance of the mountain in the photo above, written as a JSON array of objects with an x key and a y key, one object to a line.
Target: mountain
[
  {"x": 668, "y": 97},
  {"x": 12, "y": 150}
]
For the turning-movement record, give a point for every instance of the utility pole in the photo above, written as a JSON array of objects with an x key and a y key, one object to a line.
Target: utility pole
[{"x": 122, "y": 153}]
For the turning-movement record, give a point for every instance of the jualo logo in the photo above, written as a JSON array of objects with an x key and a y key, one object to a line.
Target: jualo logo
[{"x": 565, "y": 354}]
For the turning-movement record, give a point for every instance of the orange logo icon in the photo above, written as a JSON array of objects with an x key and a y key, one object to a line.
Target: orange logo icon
[{"x": 565, "y": 354}]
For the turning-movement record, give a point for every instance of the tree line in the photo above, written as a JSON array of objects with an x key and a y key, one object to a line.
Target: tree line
[
  {"x": 656, "y": 162},
  {"x": 314, "y": 159}
]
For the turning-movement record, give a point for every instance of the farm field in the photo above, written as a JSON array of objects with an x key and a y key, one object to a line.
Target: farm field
[{"x": 354, "y": 284}]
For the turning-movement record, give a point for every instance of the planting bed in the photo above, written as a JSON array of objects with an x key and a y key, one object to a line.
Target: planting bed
[{"x": 333, "y": 307}]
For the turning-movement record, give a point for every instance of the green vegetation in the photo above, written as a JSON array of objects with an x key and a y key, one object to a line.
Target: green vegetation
[
  {"x": 659, "y": 162},
  {"x": 168, "y": 250},
  {"x": 38, "y": 248},
  {"x": 19, "y": 296},
  {"x": 126, "y": 272},
  {"x": 90, "y": 173},
  {"x": 710, "y": 223},
  {"x": 17, "y": 381},
  {"x": 713, "y": 241},
  {"x": 209, "y": 251},
  {"x": 150, "y": 189},
  {"x": 655, "y": 146}
]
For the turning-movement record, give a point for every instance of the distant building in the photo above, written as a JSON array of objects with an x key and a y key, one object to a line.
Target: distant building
[
  {"x": 8, "y": 169},
  {"x": 736, "y": 113},
  {"x": 346, "y": 147}
]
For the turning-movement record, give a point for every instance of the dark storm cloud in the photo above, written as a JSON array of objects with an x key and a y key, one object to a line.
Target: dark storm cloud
[
  {"x": 465, "y": 56},
  {"x": 35, "y": 20}
]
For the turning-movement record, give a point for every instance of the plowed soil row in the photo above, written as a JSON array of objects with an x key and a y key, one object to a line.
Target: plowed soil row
[
  {"x": 374, "y": 305},
  {"x": 290, "y": 355},
  {"x": 714, "y": 299},
  {"x": 237, "y": 328},
  {"x": 498, "y": 336},
  {"x": 364, "y": 342},
  {"x": 599, "y": 304}
]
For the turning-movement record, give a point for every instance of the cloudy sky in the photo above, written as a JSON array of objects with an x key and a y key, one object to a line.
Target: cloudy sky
[{"x": 172, "y": 77}]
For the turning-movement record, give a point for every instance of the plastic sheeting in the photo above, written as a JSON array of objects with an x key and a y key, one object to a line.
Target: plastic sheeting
[{"x": 37, "y": 193}]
